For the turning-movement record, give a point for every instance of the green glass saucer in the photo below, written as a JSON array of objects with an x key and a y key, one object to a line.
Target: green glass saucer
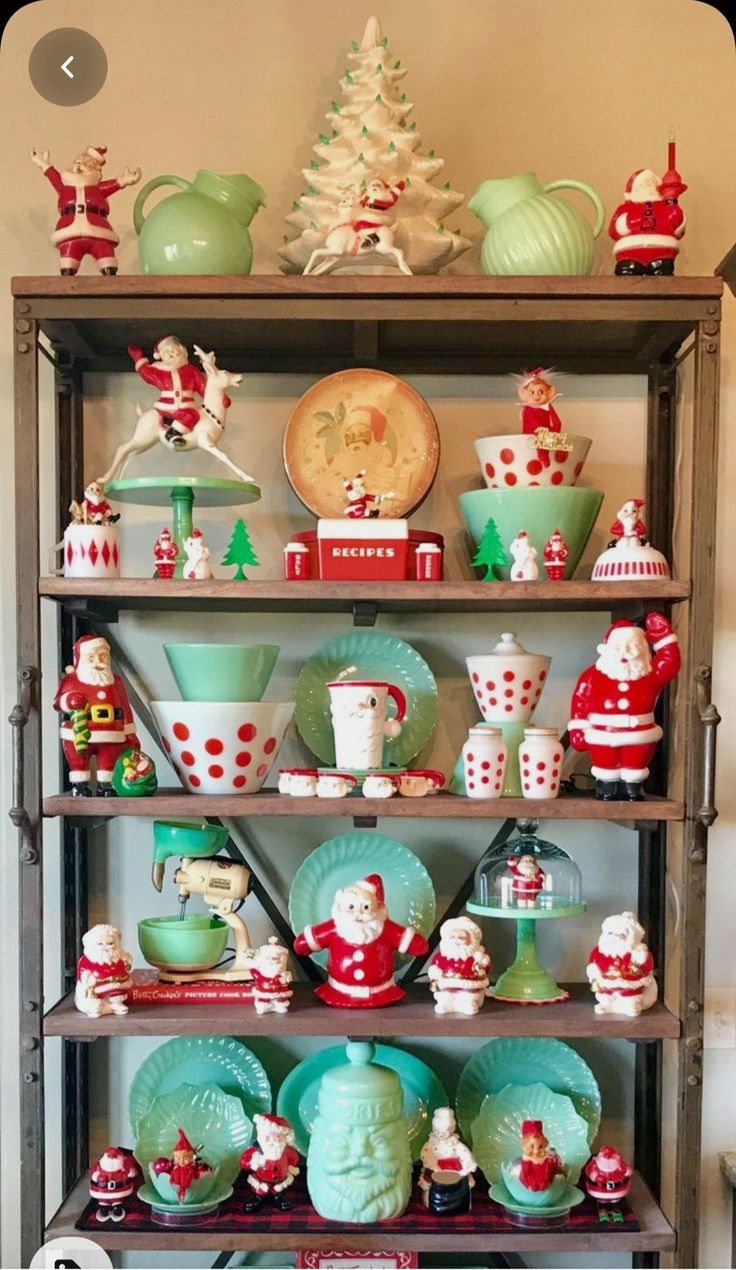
[
  {"x": 569, "y": 1199},
  {"x": 220, "y": 1192}
]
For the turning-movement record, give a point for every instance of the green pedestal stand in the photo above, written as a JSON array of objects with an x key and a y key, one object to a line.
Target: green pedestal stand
[
  {"x": 526, "y": 982},
  {"x": 180, "y": 492}
]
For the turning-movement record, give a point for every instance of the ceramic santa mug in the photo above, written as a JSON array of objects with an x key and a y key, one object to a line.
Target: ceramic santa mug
[
  {"x": 335, "y": 784},
  {"x": 381, "y": 785},
  {"x": 418, "y": 783},
  {"x": 299, "y": 782},
  {"x": 359, "y": 720},
  {"x": 90, "y": 551}
]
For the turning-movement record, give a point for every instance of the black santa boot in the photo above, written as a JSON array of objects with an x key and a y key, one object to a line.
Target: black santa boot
[{"x": 607, "y": 791}]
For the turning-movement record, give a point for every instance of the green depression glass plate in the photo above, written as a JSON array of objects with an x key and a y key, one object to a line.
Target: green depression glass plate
[
  {"x": 496, "y": 1130},
  {"x": 570, "y": 1198},
  {"x": 367, "y": 655},
  {"x": 410, "y": 897},
  {"x": 423, "y": 1092},
  {"x": 526, "y": 1060},
  {"x": 209, "y": 491},
  {"x": 200, "y": 1060},
  {"x": 213, "y": 1121},
  {"x": 219, "y": 1193}
]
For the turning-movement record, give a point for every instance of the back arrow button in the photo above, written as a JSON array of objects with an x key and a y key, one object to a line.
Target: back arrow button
[{"x": 65, "y": 67}]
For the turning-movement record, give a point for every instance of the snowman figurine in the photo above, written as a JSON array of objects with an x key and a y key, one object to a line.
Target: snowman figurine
[
  {"x": 197, "y": 564},
  {"x": 525, "y": 567}
]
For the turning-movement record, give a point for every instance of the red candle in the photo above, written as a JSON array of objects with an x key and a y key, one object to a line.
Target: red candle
[{"x": 671, "y": 163}]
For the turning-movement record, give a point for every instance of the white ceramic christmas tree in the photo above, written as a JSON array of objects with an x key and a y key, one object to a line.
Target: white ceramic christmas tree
[{"x": 370, "y": 206}]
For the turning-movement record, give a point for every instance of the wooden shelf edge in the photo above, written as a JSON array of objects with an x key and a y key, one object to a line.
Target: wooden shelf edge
[
  {"x": 414, "y": 1016},
  {"x": 655, "y": 1234}
]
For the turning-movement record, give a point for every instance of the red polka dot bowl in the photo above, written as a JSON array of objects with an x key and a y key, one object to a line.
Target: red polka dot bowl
[
  {"x": 573, "y": 509},
  {"x": 508, "y": 681},
  {"x": 220, "y": 747},
  {"x": 513, "y": 461}
]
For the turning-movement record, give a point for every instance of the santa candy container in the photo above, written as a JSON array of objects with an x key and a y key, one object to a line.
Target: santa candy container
[
  {"x": 540, "y": 763},
  {"x": 526, "y": 882},
  {"x": 112, "y": 1180},
  {"x": 556, "y": 552},
  {"x": 96, "y": 718},
  {"x": 608, "y": 1176},
  {"x": 446, "y": 1180},
  {"x": 612, "y": 709},
  {"x": 620, "y": 968},
  {"x": 103, "y": 973},
  {"x": 83, "y": 228},
  {"x": 362, "y": 943},
  {"x": 272, "y": 991},
  {"x": 359, "y": 1165},
  {"x": 272, "y": 1164},
  {"x": 647, "y": 227},
  {"x": 484, "y": 762},
  {"x": 458, "y": 971},
  {"x": 165, "y": 552}
]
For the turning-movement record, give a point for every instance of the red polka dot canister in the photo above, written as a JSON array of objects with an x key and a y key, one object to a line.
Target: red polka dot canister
[
  {"x": 484, "y": 762},
  {"x": 540, "y": 763},
  {"x": 508, "y": 681}
]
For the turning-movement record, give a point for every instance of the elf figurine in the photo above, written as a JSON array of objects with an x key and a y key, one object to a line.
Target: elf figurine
[
  {"x": 96, "y": 718},
  {"x": 528, "y": 879},
  {"x": 165, "y": 553},
  {"x": 183, "y": 1168},
  {"x": 83, "y": 228},
  {"x": 272, "y": 1164},
  {"x": 556, "y": 552},
  {"x": 538, "y": 1166},
  {"x": 112, "y": 1179},
  {"x": 538, "y": 415}
]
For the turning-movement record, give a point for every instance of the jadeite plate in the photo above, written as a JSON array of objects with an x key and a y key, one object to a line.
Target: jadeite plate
[
  {"x": 367, "y": 655},
  {"x": 410, "y": 897},
  {"x": 200, "y": 1060},
  {"x": 423, "y": 1092},
  {"x": 213, "y": 1121},
  {"x": 496, "y": 1130},
  {"x": 570, "y": 1199},
  {"x": 526, "y": 1061},
  {"x": 219, "y": 1193}
]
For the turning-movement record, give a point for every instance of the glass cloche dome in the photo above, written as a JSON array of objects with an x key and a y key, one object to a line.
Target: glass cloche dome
[{"x": 528, "y": 877}]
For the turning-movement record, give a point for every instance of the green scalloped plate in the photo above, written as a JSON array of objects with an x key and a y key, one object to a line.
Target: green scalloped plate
[
  {"x": 200, "y": 1060},
  {"x": 423, "y": 1092},
  {"x": 215, "y": 1122},
  {"x": 410, "y": 897},
  {"x": 367, "y": 655},
  {"x": 496, "y": 1130},
  {"x": 526, "y": 1060}
]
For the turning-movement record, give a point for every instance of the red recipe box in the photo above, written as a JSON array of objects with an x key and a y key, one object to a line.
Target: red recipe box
[{"x": 363, "y": 550}]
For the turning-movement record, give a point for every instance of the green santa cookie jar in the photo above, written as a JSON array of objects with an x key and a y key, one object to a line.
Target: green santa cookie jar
[{"x": 359, "y": 1160}]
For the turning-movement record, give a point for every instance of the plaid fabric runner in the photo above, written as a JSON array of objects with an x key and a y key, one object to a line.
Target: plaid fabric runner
[{"x": 485, "y": 1216}]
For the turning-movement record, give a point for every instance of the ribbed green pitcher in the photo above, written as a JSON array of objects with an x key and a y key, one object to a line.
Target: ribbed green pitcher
[
  {"x": 530, "y": 232},
  {"x": 204, "y": 229}
]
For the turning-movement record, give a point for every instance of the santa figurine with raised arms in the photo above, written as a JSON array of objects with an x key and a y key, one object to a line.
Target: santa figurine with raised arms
[
  {"x": 647, "y": 227},
  {"x": 96, "y": 718},
  {"x": 620, "y": 968},
  {"x": 458, "y": 971},
  {"x": 83, "y": 227},
  {"x": 272, "y": 1163},
  {"x": 362, "y": 942},
  {"x": 179, "y": 384},
  {"x": 612, "y": 709}
]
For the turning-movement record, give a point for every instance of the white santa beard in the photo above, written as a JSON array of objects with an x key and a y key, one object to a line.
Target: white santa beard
[
  {"x": 611, "y": 946},
  {"x": 273, "y": 1148},
  {"x": 100, "y": 955},
  {"x": 608, "y": 1166},
  {"x": 613, "y": 667},
  {"x": 456, "y": 950},
  {"x": 87, "y": 674},
  {"x": 358, "y": 932}
]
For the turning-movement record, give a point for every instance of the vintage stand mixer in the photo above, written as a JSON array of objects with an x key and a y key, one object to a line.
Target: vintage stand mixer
[{"x": 190, "y": 948}]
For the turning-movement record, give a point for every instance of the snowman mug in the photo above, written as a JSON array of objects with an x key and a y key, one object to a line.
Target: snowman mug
[{"x": 359, "y": 720}]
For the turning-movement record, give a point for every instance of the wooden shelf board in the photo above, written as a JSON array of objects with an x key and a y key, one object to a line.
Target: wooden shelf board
[
  {"x": 414, "y": 1016},
  {"x": 110, "y": 596},
  {"x": 655, "y": 1234},
  {"x": 169, "y": 803}
]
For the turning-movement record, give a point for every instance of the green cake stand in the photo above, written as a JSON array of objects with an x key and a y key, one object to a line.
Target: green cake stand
[
  {"x": 526, "y": 982},
  {"x": 180, "y": 493}
]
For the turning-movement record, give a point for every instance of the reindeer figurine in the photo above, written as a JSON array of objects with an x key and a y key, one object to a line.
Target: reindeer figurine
[
  {"x": 176, "y": 420},
  {"x": 363, "y": 225}
]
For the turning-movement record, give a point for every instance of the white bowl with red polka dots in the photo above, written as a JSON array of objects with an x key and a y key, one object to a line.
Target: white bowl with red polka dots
[
  {"x": 508, "y": 681},
  {"x": 220, "y": 747},
  {"x": 513, "y": 460}
]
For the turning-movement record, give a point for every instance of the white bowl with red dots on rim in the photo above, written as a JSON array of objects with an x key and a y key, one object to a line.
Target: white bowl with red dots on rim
[
  {"x": 508, "y": 681},
  {"x": 514, "y": 460},
  {"x": 220, "y": 747}
]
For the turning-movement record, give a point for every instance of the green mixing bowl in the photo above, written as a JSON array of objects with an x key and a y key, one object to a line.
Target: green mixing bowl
[
  {"x": 194, "y": 943},
  {"x": 571, "y": 509},
  {"x": 222, "y": 672}
]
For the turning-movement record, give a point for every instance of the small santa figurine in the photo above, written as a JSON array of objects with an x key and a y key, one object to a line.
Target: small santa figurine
[
  {"x": 608, "y": 1176},
  {"x": 458, "y": 971},
  {"x": 83, "y": 228},
  {"x": 271, "y": 978},
  {"x": 527, "y": 880},
  {"x": 536, "y": 393},
  {"x": 94, "y": 508},
  {"x": 103, "y": 973},
  {"x": 165, "y": 553},
  {"x": 183, "y": 1167},
  {"x": 628, "y": 523},
  {"x": 612, "y": 709},
  {"x": 445, "y": 1151},
  {"x": 378, "y": 199},
  {"x": 96, "y": 718},
  {"x": 112, "y": 1180},
  {"x": 556, "y": 552},
  {"x": 538, "y": 1166},
  {"x": 361, "y": 504},
  {"x": 524, "y": 567},
  {"x": 620, "y": 968},
  {"x": 179, "y": 384},
  {"x": 272, "y": 1164},
  {"x": 362, "y": 943},
  {"x": 647, "y": 227}
]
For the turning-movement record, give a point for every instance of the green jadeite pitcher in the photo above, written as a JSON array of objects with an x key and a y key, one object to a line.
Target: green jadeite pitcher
[
  {"x": 203, "y": 229},
  {"x": 530, "y": 232}
]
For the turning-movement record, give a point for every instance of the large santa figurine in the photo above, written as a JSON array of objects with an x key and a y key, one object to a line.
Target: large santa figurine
[
  {"x": 96, "y": 718},
  {"x": 179, "y": 384},
  {"x": 362, "y": 943},
  {"x": 272, "y": 1163},
  {"x": 647, "y": 227},
  {"x": 112, "y": 1180},
  {"x": 103, "y": 973},
  {"x": 620, "y": 968},
  {"x": 612, "y": 709},
  {"x": 83, "y": 228},
  {"x": 458, "y": 972},
  {"x": 445, "y": 1151}
]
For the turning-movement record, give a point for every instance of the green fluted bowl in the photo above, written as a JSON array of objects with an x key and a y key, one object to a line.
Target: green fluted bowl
[
  {"x": 571, "y": 509},
  {"x": 191, "y": 943},
  {"x": 534, "y": 1199},
  {"x": 197, "y": 1191},
  {"x": 222, "y": 672}
]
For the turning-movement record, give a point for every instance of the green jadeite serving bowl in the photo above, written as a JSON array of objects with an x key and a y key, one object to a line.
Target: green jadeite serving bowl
[
  {"x": 194, "y": 943},
  {"x": 571, "y": 509},
  {"x": 197, "y": 1191},
  {"x": 222, "y": 672},
  {"x": 534, "y": 1199}
]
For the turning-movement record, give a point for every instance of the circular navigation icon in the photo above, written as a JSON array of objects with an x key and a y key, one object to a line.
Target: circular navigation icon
[
  {"x": 67, "y": 66},
  {"x": 71, "y": 1252}
]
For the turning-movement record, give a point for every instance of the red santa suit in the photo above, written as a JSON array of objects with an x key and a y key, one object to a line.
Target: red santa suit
[
  {"x": 539, "y": 1175},
  {"x": 378, "y": 212},
  {"x": 165, "y": 552},
  {"x": 83, "y": 227},
  {"x": 112, "y": 1179},
  {"x": 110, "y": 722},
  {"x": 178, "y": 388},
  {"x": 620, "y": 971},
  {"x": 459, "y": 974},
  {"x": 99, "y": 513},
  {"x": 543, "y": 416},
  {"x": 614, "y": 719},
  {"x": 646, "y": 230},
  {"x": 270, "y": 989},
  {"x": 522, "y": 887},
  {"x": 608, "y": 1176},
  {"x": 556, "y": 552},
  {"x": 111, "y": 978}
]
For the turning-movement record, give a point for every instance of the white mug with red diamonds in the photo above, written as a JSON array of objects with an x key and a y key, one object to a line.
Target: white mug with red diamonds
[
  {"x": 540, "y": 763},
  {"x": 90, "y": 551},
  {"x": 360, "y": 722},
  {"x": 484, "y": 762}
]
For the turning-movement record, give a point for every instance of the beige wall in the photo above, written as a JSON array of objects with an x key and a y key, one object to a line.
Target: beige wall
[{"x": 564, "y": 87}]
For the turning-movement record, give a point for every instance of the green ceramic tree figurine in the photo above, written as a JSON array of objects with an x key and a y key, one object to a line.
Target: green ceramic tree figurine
[
  {"x": 240, "y": 551},
  {"x": 491, "y": 555}
]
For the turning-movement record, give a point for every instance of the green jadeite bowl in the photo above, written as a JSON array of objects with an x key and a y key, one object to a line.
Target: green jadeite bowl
[
  {"x": 571, "y": 509},
  {"x": 194, "y": 943},
  {"x": 533, "y": 1199},
  {"x": 196, "y": 1193},
  {"x": 222, "y": 672}
]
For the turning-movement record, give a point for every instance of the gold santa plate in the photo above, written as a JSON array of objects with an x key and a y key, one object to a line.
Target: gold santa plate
[{"x": 361, "y": 420}]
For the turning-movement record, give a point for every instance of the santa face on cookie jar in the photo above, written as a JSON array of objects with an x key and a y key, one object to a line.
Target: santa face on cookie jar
[{"x": 620, "y": 968}]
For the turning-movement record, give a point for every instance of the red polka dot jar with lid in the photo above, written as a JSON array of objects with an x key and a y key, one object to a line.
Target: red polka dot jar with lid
[
  {"x": 484, "y": 757},
  {"x": 540, "y": 763}
]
